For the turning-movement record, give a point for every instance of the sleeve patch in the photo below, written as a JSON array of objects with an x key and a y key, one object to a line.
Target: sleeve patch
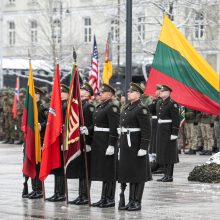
[
  {"x": 144, "y": 111},
  {"x": 115, "y": 109},
  {"x": 91, "y": 109}
]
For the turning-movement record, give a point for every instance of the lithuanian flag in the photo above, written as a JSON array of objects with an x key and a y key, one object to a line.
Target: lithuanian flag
[
  {"x": 31, "y": 131},
  {"x": 177, "y": 64},
  {"x": 107, "y": 70}
]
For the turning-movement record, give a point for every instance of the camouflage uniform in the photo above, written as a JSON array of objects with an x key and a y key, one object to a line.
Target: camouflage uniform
[
  {"x": 216, "y": 128},
  {"x": 1, "y": 115},
  {"x": 191, "y": 130},
  {"x": 207, "y": 128},
  {"x": 20, "y": 107}
]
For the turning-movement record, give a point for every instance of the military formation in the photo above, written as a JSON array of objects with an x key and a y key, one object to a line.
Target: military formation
[{"x": 119, "y": 138}]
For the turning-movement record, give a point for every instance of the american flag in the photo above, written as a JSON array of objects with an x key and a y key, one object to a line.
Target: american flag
[{"x": 94, "y": 78}]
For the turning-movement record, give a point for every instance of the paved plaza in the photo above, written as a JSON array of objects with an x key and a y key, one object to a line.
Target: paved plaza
[{"x": 178, "y": 200}]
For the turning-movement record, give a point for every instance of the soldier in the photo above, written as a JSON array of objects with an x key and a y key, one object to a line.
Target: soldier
[
  {"x": 167, "y": 133},
  {"x": 8, "y": 120},
  {"x": 191, "y": 133},
  {"x": 42, "y": 120},
  {"x": 2, "y": 95},
  {"x": 152, "y": 108},
  {"x": 104, "y": 146},
  {"x": 59, "y": 180},
  {"x": 76, "y": 169},
  {"x": 135, "y": 134},
  {"x": 20, "y": 108},
  {"x": 207, "y": 128},
  {"x": 216, "y": 128}
]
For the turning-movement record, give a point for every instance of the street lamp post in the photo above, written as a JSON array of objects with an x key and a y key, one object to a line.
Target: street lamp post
[{"x": 128, "y": 67}]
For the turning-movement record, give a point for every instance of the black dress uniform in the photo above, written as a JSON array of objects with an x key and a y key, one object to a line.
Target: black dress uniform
[
  {"x": 168, "y": 124},
  {"x": 42, "y": 120},
  {"x": 76, "y": 169},
  {"x": 59, "y": 180},
  {"x": 103, "y": 167},
  {"x": 135, "y": 134}
]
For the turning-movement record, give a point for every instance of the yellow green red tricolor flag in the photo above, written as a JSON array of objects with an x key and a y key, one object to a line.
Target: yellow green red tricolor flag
[
  {"x": 177, "y": 64},
  {"x": 31, "y": 131}
]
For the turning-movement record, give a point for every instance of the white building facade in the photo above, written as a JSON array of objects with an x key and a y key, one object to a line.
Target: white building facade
[{"x": 50, "y": 29}]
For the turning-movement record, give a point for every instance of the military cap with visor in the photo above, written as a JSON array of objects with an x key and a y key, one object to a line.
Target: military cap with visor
[
  {"x": 87, "y": 87},
  {"x": 134, "y": 87},
  {"x": 107, "y": 88}
]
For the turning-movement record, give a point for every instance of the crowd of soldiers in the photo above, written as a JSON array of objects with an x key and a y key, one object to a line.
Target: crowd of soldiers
[{"x": 119, "y": 137}]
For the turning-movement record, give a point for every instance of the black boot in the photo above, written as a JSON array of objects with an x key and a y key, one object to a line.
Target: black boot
[
  {"x": 80, "y": 194},
  {"x": 169, "y": 177},
  {"x": 103, "y": 196},
  {"x": 11, "y": 141},
  {"x": 6, "y": 141},
  {"x": 139, "y": 189},
  {"x": 33, "y": 192},
  {"x": 121, "y": 204},
  {"x": 61, "y": 190},
  {"x": 56, "y": 185},
  {"x": 110, "y": 201},
  {"x": 25, "y": 190},
  {"x": 165, "y": 174},
  {"x": 131, "y": 197},
  {"x": 84, "y": 195}
]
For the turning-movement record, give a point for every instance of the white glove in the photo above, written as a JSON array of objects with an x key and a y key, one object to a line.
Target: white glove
[
  {"x": 119, "y": 131},
  {"x": 110, "y": 150},
  {"x": 142, "y": 152},
  {"x": 88, "y": 148},
  {"x": 173, "y": 137},
  {"x": 39, "y": 126},
  {"x": 84, "y": 130}
]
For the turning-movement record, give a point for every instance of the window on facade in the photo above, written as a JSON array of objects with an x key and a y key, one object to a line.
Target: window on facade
[
  {"x": 57, "y": 30},
  {"x": 199, "y": 25},
  {"x": 34, "y": 31},
  {"x": 87, "y": 30},
  {"x": 114, "y": 30},
  {"x": 141, "y": 28},
  {"x": 11, "y": 33}
]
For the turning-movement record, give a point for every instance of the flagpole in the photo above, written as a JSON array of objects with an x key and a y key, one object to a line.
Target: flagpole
[
  {"x": 83, "y": 135},
  {"x": 64, "y": 169}
]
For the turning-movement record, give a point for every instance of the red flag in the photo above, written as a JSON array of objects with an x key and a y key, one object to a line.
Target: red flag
[
  {"x": 51, "y": 148},
  {"x": 72, "y": 144},
  {"x": 16, "y": 99}
]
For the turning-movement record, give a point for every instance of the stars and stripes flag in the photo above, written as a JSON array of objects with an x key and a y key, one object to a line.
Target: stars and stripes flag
[{"x": 94, "y": 77}]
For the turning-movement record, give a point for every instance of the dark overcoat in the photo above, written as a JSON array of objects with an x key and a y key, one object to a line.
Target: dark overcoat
[
  {"x": 152, "y": 108},
  {"x": 133, "y": 168},
  {"x": 76, "y": 168},
  {"x": 167, "y": 151},
  {"x": 103, "y": 167}
]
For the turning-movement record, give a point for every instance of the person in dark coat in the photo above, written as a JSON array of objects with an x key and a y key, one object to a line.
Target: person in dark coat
[
  {"x": 42, "y": 120},
  {"x": 104, "y": 146},
  {"x": 167, "y": 133},
  {"x": 135, "y": 134},
  {"x": 76, "y": 169},
  {"x": 59, "y": 180}
]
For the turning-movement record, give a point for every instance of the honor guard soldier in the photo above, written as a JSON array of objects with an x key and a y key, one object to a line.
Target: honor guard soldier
[
  {"x": 59, "y": 180},
  {"x": 135, "y": 134},
  {"x": 104, "y": 146},
  {"x": 152, "y": 150},
  {"x": 76, "y": 169},
  {"x": 167, "y": 133},
  {"x": 42, "y": 120}
]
